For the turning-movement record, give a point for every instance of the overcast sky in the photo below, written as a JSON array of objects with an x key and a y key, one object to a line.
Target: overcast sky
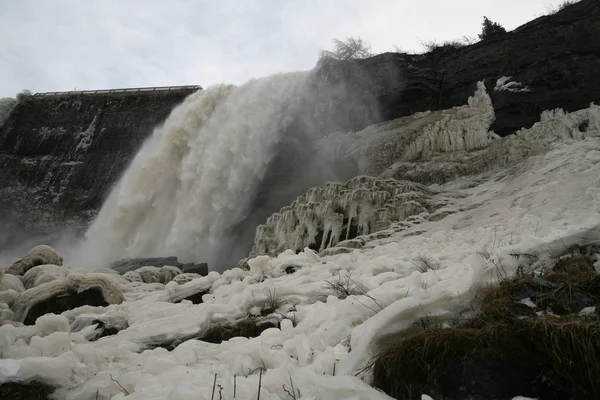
[{"x": 55, "y": 45}]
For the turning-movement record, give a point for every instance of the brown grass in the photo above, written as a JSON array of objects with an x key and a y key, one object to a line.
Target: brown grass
[
  {"x": 507, "y": 350},
  {"x": 25, "y": 391}
]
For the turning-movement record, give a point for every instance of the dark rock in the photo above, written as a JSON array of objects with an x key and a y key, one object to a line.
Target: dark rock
[
  {"x": 290, "y": 269},
  {"x": 218, "y": 333},
  {"x": 131, "y": 264},
  {"x": 103, "y": 330},
  {"x": 200, "y": 269},
  {"x": 61, "y": 303},
  {"x": 195, "y": 298}
]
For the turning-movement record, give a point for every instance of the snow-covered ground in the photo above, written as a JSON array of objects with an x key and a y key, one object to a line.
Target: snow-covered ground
[{"x": 542, "y": 205}]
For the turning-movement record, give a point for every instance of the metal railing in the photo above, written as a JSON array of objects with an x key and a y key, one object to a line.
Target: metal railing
[{"x": 126, "y": 90}]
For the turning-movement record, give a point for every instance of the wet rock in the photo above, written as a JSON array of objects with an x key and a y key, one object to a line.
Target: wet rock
[
  {"x": 195, "y": 298},
  {"x": 64, "y": 302},
  {"x": 200, "y": 269}
]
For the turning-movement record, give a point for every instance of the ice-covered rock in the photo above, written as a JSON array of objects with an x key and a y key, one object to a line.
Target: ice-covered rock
[
  {"x": 419, "y": 137},
  {"x": 39, "y": 255},
  {"x": 162, "y": 275},
  {"x": 437, "y": 147},
  {"x": 73, "y": 284},
  {"x": 337, "y": 212},
  {"x": 10, "y": 282},
  {"x": 43, "y": 273}
]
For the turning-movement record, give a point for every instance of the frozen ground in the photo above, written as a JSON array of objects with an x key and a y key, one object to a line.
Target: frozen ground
[{"x": 541, "y": 205}]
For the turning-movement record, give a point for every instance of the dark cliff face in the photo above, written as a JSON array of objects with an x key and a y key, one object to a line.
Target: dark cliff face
[
  {"x": 60, "y": 155},
  {"x": 555, "y": 56}
]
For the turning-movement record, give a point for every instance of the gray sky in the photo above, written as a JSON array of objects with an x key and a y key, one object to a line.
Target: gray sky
[{"x": 52, "y": 45}]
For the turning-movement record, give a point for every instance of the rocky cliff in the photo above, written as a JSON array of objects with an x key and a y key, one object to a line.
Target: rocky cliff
[
  {"x": 552, "y": 61},
  {"x": 60, "y": 154}
]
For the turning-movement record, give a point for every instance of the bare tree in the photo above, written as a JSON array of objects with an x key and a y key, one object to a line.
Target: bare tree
[{"x": 352, "y": 48}]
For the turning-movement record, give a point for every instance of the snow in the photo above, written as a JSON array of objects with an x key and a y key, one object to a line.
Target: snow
[
  {"x": 505, "y": 84},
  {"x": 537, "y": 202},
  {"x": 86, "y": 137}
]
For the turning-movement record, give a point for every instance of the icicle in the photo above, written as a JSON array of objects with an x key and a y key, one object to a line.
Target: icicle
[
  {"x": 337, "y": 221},
  {"x": 326, "y": 230}
]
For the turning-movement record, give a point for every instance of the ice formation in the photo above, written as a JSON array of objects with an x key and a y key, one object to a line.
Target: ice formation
[
  {"x": 539, "y": 195},
  {"x": 336, "y": 212},
  {"x": 436, "y": 147},
  {"x": 194, "y": 178},
  {"x": 504, "y": 83},
  {"x": 418, "y": 137}
]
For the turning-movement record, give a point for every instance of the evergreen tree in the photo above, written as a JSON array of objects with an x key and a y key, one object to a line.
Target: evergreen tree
[{"x": 491, "y": 29}]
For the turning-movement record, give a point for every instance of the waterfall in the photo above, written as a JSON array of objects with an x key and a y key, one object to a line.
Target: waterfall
[{"x": 194, "y": 179}]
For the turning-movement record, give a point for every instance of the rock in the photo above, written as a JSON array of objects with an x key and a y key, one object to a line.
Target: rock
[
  {"x": 290, "y": 269},
  {"x": 185, "y": 278},
  {"x": 134, "y": 264},
  {"x": 59, "y": 295},
  {"x": 200, "y": 269},
  {"x": 195, "y": 298},
  {"x": 64, "y": 302}
]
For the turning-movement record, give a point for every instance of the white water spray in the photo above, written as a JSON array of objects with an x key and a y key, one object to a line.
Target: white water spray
[{"x": 194, "y": 178}]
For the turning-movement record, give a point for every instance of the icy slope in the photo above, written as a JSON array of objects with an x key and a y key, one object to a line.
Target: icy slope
[{"x": 542, "y": 204}]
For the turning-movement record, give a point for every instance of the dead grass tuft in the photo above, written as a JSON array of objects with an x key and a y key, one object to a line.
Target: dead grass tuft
[{"x": 25, "y": 391}]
